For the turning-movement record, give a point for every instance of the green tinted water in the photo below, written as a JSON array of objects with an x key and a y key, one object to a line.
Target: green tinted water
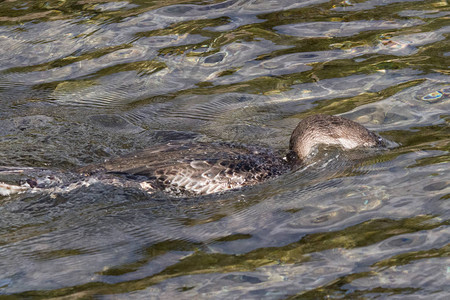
[{"x": 83, "y": 81}]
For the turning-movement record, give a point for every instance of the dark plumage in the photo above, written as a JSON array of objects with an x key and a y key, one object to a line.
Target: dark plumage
[
  {"x": 199, "y": 168},
  {"x": 195, "y": 168}
]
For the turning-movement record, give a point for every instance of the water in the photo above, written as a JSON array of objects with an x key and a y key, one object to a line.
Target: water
[{"x": 84, "y": 81}]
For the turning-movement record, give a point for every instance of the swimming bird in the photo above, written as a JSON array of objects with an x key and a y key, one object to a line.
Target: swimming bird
[
  {"x": 201, "y": 168},
  {"x": 191, "y": 169}
]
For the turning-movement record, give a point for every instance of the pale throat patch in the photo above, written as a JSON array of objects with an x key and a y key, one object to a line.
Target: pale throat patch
[
  {"x": 308, "y": 146},
  {"x": 348, "y": 143}
]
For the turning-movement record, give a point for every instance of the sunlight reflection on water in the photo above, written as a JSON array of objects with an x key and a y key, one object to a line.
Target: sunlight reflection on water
[{"x": 85, "y": 81}]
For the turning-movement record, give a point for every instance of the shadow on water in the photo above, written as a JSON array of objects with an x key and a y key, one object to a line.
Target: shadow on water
[{"x": 85, "y": 81}]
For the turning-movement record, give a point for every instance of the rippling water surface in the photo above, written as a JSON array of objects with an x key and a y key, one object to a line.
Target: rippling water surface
[{"x": 86, "y": 80}]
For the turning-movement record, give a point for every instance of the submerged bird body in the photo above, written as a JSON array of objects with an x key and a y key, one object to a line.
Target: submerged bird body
[
  {"x": 198, "y": 168},
  {"x": 195, "y": 168}
]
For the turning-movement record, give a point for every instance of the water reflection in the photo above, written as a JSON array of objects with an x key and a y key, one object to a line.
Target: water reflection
[{"x": 83, "y": 81}]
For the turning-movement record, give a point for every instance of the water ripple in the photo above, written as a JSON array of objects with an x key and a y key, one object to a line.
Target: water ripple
[{"x": 84, "y": 81}]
